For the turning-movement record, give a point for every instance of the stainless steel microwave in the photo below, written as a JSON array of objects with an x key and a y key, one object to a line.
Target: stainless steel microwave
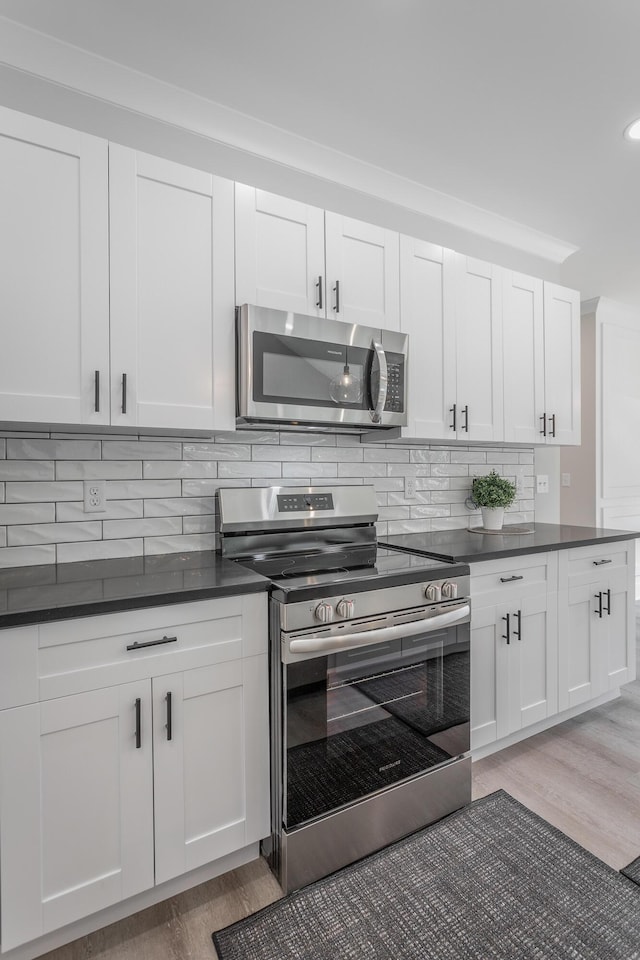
[{"x": 295, "y": 370}]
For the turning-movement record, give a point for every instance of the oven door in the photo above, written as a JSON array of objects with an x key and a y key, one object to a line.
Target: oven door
[
  {"x": 308, "y": 369},
  {"x": 359, "y": 720}
]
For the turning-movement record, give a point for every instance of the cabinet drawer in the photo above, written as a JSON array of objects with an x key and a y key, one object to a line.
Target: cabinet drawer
[
  {"x": 584, "y": 564},
  {"x": 84, "y": 654},
  {"x": 496, "y": 581}
]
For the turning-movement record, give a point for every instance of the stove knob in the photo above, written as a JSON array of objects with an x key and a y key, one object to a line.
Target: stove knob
[
  {"x": 433, "y": 592},
  {"x": 324, "y": 612},
  {"x": 345, "y": 608},
  {"x": 449, "y": 590}
]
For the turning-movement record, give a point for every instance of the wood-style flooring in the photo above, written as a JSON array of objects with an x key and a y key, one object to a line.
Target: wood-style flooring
[{"x": 583, "y": 776}]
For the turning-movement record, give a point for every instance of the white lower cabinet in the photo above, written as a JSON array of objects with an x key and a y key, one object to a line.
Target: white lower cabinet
[
  {"x": 513, "y": 647},
  {"x": 550, "y": 633},
  {"x": 596, "y": 618},
  {"x": 107, "y": 792}
]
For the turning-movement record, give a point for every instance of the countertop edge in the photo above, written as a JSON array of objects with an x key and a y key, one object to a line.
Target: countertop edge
[{"x": 95, "y": 608}]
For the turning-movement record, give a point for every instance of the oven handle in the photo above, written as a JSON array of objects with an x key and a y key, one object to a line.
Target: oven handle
[{"x": 369, "y": 637}]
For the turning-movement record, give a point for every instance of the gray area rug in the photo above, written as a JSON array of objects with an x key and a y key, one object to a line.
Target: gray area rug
[
  {"x": 632, "y": 870},
  {"x": 490, "y": 881}
]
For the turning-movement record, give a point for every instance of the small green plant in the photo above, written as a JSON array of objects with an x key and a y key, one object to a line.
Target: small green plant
[{"x": 493, "y": 491}]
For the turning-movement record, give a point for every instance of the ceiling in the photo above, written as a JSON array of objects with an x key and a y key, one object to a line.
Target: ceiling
[{"x": 516, "y": 106}]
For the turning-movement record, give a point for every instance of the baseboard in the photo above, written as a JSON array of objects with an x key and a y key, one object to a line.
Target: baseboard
[
  {"x": 478, "y": 753},
  {"x": 126, "y": 908}
]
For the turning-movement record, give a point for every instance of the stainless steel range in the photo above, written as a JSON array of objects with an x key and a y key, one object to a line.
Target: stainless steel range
[{"x": 370, "y": 676}]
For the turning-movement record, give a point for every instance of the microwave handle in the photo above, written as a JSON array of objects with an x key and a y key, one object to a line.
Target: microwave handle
[{"x": 380, "y": 360}]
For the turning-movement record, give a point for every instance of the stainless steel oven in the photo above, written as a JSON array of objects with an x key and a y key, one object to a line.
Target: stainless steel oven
[
  {"x": 312, "y": 371},
  {"x": 370, "y": 676}
]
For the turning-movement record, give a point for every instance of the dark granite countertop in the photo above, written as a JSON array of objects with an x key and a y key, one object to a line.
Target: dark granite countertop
[
  {"x": 467, "y": 547},
  {"x": 59, "y": 592}
]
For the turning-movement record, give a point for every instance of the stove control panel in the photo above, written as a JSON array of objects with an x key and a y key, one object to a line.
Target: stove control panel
[{"x": 298, "y": 502}]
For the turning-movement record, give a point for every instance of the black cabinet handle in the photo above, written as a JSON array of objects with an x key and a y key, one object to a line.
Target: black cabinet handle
[
  {"x": 518, "y": 630},
  {"x": 465, "y": 414},
  {"x": 505, "y": 636},
  {"x": 336, "y": 290},
  {"x": 168, "y": 724},
  {"x": 598, "y": 563},
  {"x": 552, "y": 431},
  {"x": 598, "y": 597},
  {"x": 138, "y": 723},
  {"x": 151, "y": 643},
  {"x": 319, "y": 300},
  {"x": 544, "y": 424},
  {"x": 124, "y": 393},
  {"x": 452, "y": 410},
  {"x": 96, "y": 386},
  {"x": 516, "y": 576},
  {"x": 607, "y": 609}
]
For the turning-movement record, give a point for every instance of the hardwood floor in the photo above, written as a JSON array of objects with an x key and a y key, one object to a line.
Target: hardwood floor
[{"x": 583, "y": 776}]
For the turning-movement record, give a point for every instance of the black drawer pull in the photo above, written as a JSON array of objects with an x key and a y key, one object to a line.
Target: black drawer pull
[
  {"x": 96, "y": 399},
  {"x": 169, "y": 723},
  {"x": 607, "y": 609},
  {"x": 505, "y": 636},
  {"x": 151, "y": 643},
  {"x": 319, "y": 288},
  {"x": 452, "y": 410},
  {"x": 598, "y": 563},
  {"x": 511, "y": 579},
  {"x": 138, "y": 723}
]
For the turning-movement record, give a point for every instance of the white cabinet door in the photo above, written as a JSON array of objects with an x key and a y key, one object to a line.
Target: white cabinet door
[
  {"x": 171, "y": 294},
  {"x": 478, "y": 350},
  {"x": 523, "y": 357},
  {"x": 211, "y": 778},
  {"x": 533, "y": 660},
  {"x": 427, "y": 315},
  {"x": 279, "y": 252},
  {"x": 619, "y": 625},
  {"x": 562, "y": 364},
  {"x": 363, "y": 272},
  {"x": 489, "y": 676},
  {"x": 77, "y": 810},
  {"x": 54, "y": 279},
  {"x": 582, "y": 651}
]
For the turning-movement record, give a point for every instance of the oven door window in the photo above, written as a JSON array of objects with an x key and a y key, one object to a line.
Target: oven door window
[
  {"x": 292, "y": 370},
  {"x": 363, "y": 720}
]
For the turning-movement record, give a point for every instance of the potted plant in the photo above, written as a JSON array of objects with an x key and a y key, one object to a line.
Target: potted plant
[{"x": 492, "y": 493}]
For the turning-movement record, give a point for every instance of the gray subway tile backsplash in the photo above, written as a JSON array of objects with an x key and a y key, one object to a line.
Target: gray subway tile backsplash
[{"x": 161, "y": 491}]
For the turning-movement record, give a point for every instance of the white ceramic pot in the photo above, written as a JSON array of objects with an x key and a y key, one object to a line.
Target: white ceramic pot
[{"x": 492, "y": 517}]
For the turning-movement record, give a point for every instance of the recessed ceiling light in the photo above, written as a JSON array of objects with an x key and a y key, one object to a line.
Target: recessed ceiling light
[{"x": 633, "y": 131}]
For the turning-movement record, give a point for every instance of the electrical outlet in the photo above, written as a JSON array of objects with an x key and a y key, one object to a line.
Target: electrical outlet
[
  {"x": 542, "y": 483},
  {"x": 409, "y": 488},
  {"x": 566, "y": 479},
  {"x": 94, "y": 496}
]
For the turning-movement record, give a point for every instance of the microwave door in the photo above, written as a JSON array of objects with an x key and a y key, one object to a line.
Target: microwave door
[{"x": 378, "y": 382}]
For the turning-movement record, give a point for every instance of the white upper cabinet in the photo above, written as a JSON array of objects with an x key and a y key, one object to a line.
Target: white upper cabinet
[
  {"x": 561, "y": 364},
  {"x": 427, "y": 315},
  {"x": 523, "y": 357},
  {"x": 279, "y": 252},
  {"x": 451, "y": 310},
  {"x": 363, "y": 272},
  {"x": 478, "y": 350},
  {"x": 292, "y": 256},
  {"x": 541, "y": 337},
  {"x": 171, "y": 294},
  {"x": 54, "y": 281}
]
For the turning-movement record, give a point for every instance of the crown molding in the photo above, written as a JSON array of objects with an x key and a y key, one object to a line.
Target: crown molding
[{"x": 61, "y": 63}]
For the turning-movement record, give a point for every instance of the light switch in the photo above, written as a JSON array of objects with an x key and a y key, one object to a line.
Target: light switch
[{"x": 566, "y": 479}]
